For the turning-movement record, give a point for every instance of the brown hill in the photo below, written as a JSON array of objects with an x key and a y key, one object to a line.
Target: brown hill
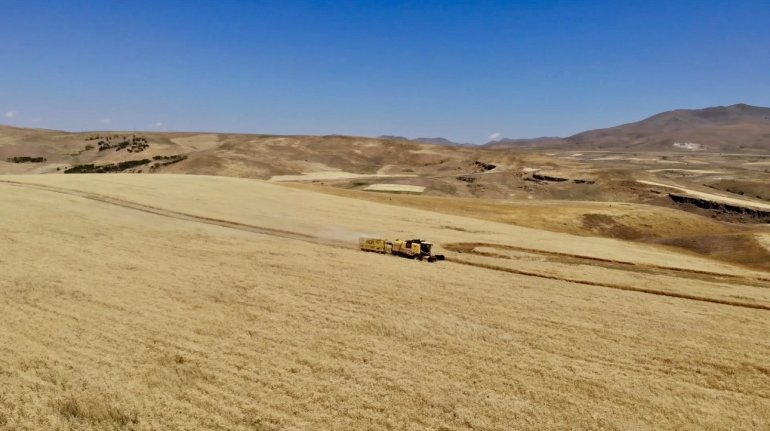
[
  {"x": 736, "y": 128},
  {"x": 236, "y": 155},
  {"x": 437, "y": 140}
]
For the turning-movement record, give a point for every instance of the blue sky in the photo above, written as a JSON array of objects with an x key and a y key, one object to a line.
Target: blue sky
[{"x": 464, "y": 70}]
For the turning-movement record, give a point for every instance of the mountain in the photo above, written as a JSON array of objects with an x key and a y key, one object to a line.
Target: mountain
[
  {"x": 439, "y": 141},
  {"x": 735, "y": 128},
  {"x": 434, "y": 141},
  {"x": 544, "y": 142},
  {"x": 392, "y": 138}
]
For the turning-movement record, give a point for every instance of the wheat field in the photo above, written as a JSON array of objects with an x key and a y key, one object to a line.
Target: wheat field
[{"x": 190, "y": 302}]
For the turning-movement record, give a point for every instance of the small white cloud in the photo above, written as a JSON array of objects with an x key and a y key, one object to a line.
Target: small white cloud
[
  {"x": 495, "y": 136},
  {"x": 158, "y": 124},
  {"x": 10, "y": 114},
  {"x": 106, "y": 120}
]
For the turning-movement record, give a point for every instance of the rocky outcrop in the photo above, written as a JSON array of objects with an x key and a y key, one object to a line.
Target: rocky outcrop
[
  {"x": 735, "y": 210},
  {"x": 541, "y": 177},
  {"x": 484, "y": 166},
  {"x": 551, "y": 179}
]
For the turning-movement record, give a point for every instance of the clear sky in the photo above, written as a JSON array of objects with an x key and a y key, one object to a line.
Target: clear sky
[{"x": 464, "y": 70}]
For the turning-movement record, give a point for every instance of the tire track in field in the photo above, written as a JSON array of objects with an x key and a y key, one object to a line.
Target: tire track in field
[
  {"x": 180, "y": 215},
  {"x": 316, "y": 240},
  {"x": 470, "y": 248},
  {"x": 615, "y": 286}
]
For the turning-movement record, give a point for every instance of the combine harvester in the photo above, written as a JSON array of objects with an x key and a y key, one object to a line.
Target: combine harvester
[{"x": 416, "y": 249}]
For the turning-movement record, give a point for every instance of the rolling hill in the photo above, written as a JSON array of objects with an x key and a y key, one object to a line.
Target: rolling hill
[{"x": 236, "y": 155}]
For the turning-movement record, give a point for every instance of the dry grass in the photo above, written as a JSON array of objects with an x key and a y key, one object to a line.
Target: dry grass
[
  {"x": 119, "y": 318},
  {"x": 94, "y": 408}
]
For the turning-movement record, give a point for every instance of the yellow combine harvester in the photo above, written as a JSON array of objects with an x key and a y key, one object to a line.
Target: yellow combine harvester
[{"x": 412, "y": 249}]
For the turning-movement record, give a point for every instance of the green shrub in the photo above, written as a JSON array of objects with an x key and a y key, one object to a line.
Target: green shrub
[
  {"x": 26, "y": 159},
  {"x": 102, "y": 169}
]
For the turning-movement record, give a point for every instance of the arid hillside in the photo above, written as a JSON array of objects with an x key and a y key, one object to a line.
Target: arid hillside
[
  {"x": 144, "y": 302},
  {"x": 237, "y": 155},
  {"x": 735, "y": 129}
]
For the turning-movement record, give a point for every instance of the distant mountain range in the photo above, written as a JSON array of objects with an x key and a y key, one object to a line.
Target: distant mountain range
[
  {"x": 738, "y": 128},
  {"x": 435, "y": 141}
]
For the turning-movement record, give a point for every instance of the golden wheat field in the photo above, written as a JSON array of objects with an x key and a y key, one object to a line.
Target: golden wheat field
[{"x": 145, "y": 302}]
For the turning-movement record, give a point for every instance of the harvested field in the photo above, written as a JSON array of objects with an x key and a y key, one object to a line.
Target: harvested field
[
  {"x": 192, "y": 302},
  {"x": 620, "y": 220},
  {"x": 711, "y": 196},
  {"x": 328, "y": 175},
  {"x": 743, "y": 248},
  {"x": 394, "y": 188}
]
